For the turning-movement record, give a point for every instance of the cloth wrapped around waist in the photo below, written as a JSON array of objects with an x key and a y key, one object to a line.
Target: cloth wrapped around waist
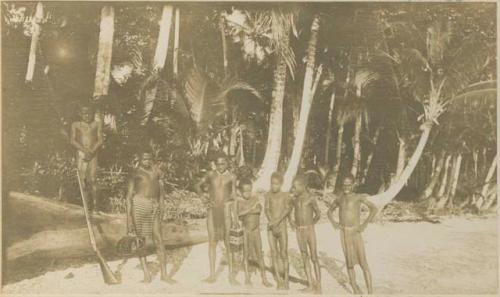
[
  {"x": 144, "y": 210},
  {"x": 219, "y": 220}
]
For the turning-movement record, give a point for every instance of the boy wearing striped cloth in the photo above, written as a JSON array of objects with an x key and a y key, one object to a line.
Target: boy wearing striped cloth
[{"x": 144, "y": 201}]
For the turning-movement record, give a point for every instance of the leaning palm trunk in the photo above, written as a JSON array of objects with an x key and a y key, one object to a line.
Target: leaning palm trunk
[
  {"x": 381, "y": 200},
  {"x": 176, "y": 41},
  {"x": 273, "y": 148},
  {"x": 329, "y": 128},
  {"x": 35, "y": 37},
  {"x": 159, "y": 58},
  {"x": 357, "y": 147},
  {"x": 103, "y": 67},
  {"x": 434, "y": 179},
  {"x": 370, "y": 156},
  {"x": 310, "y": 84},
  {"x": 479, "y": 203},
  {"x": 401, "y": 158}
]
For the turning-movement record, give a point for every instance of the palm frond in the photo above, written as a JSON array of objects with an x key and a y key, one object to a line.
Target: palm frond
[
  {"x": 197, "y": 98},
  {"x": 363, "y": 78}
]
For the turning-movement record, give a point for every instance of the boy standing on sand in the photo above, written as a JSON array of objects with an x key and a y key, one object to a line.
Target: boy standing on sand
[
  {"x": 277, "y": 209},
  {"x": 249, "y": 209},
  {"x": 350, "y": 231},
  {"x": 306, "y": 215},
  {"x": 221, "y": 189}
]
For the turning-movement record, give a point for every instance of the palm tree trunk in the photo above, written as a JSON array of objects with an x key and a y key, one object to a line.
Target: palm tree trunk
[
  {"x": 103, "y": 67},
  {"x": 434, "y": 179},
  {"x": 444, "y": 179},
  {"x": 357, "y": 147},
  {"x": 224, "y": 45},
  {"x": 401, "y": 158},
  {"x": 176, "y": 41},
  {"x": 329, "y": 128},
  {"x": 338, "y": 157},
  {"x": 381, "y": 200},
  {"x": 446, "y": 184},
  {"x": 310, "y": 84},
  {"x": 274, "y": 136},
  {"x": 370, "y": 156},
  {"x": 163, "y": 38},
  {"x": 475, "y": 158},
  {"x": 456, "y": 175},
  {"x": 35, "y": 37},
  {"x": 489, "y": 176}
]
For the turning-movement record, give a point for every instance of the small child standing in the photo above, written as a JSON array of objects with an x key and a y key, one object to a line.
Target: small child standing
[{"x": 249, "y": 209}]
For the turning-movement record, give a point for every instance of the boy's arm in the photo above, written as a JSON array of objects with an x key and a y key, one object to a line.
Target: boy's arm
[
  {"x": 100, "y": 140},
  {"x": 373, "y": 211},
  {"x": 130, "y": 194},
  {"x": 72, "y": 138},
  {"x": 317, "y": 212},
  {"x": 335, "y": 204},
  {"x": 283, "y": 215}
]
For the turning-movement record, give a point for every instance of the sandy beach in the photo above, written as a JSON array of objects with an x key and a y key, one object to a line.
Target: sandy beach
[{"x": 458, "y": 256}]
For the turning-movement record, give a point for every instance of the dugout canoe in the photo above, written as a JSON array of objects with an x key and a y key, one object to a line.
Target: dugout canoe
[{"x": 40, "y": 228}]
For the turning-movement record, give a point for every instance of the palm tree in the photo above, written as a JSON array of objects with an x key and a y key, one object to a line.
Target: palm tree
[
  {"x": 311, "y": 80},
  {"x": 105, "y": 49},
  {"x": 35, "y": 36},
  {"x": 262, "y": 33}
]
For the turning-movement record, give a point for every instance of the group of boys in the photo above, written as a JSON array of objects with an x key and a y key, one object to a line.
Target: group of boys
[{"x": 227, "y": 207}]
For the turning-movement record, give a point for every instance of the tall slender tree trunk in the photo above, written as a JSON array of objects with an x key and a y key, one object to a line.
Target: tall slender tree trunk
[
  {"x": 338, "y": 157},
  {"x": 224, "y": 45},
  {"x": 446, "y": 187},
  {"x": 309, "y": 87},
  {"x": 370, "y": 156},
  {"x": 105, "y": 50},
  {"x": 382, "y": 199},
  {"x": 35, "y": 37},
  {"x": 274, "y": 136},
  {"x": 475, "y": 158},
  {"x": 401, "y": 158},
  {"x": 176, "y": 41},
  {"x": 456, "y": 175},
  {"x": 444, "y": 179},
  {"x": 356, "y": 147},
  {"x": 329, "y": 129},
  {"x": 489, "y": 176},
  {"x": 434, "y": 178},
  {"x": 163, "y": 38}
]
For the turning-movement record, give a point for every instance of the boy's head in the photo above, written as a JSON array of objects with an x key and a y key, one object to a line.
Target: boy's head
[
  {"x": 299, "y": 184},
  {"x": 86, "y": 113},
  {"x": 276, "y": 182},
  {"x": 331, "y": 180},
  {"x": 348, "y": 184},
  {"x": 246, "y": 188},
  {"x": 146, "y": 160},
  {"x": 221, "y": 163}
]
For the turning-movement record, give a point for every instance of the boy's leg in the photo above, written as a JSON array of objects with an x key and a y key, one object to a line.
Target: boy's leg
[
  {"x": 260, "y": 257},
  {"x": 368, "y": 277},
  {"x": 144, "y": 266},
  {"x": 230, "y": 254},
  {"x": 314, "y": 257},
  {"x": 352, "y": 280},
  {"x": 283, "y": 255},
  {"x": 160, "y": 250},
  {"x": 302, "y": 241},
  {"x": 92, "y": 179},
  {"x": 364, "y": 264},
  {"x": 212, "y": 245},
  {"x": 246, "y": 252},
  {"x": 274, "y": 257}
]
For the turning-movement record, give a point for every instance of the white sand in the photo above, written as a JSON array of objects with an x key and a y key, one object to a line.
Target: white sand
[{"x": 458, "y": 256}]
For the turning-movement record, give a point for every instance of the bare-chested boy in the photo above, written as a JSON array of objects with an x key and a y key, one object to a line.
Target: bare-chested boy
[
  {"x": 306, "y": 215},
  {"x": 221, "y": 189},
  {"x": 249, "y": 209},
  {"x": 277, "y": 209},
  {"x": 86, "y": 137},
  {"x": 349, "y": 204},
  {"x": 144, "y": 204}
]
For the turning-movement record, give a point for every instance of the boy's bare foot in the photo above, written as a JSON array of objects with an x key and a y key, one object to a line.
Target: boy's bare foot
[
  {"x": 147, "y": 279},
  {"x": 286, "y": 286},
  {"x": 307, "y": 289},
  {"x": 266, "y": 283},
  {"x": 317, "y": 289},
  {"x": 168, "y": 280},
  {"x": 211, "y": 279},
  {"x": 248, "y": 282},
  {"x": 357, "y": 289}
]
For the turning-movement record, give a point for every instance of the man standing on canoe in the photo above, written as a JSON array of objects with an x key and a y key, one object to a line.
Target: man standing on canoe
[
  {"x": 221, "y": 188},
  {"x": 87, "y": 138},
  {"x": 144, "y": 205}
]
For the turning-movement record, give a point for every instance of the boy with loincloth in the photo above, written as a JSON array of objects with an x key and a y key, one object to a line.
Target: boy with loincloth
[
  {"x": 144, "y": 205},
  {"x": 277, "y": 209},
  {"x": 248, "y": 210},
  {"x": 221, "y": 188},
  {"x": 349, "y": 204},
  {"x": 87, "y": 137},
  {"x": 306, "y": 215}
]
